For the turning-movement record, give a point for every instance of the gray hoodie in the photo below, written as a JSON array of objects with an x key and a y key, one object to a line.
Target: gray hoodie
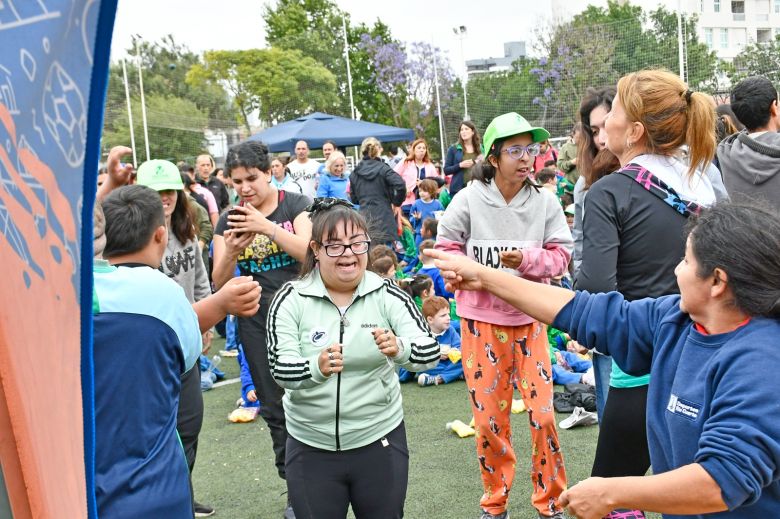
[
  {"x": 480, "y": 224},
  {"x": 183, "y": 264},
  {"x": 751, "y": 166}
]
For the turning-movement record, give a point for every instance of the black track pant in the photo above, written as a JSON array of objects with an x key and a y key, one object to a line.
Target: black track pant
[
  {"x": 253, "y": 339},
  {"x": 622, "y": 445},
  {"x": 190, "y": 415},
  {"x": 373, "y": 479}
]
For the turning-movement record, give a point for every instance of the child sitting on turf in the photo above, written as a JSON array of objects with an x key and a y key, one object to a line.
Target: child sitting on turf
[
  {"x": 384, "y": 267},
  {"x": 425, "y": 207},
  {"x": 568, "y": 367},
  {"x": 436, "y": 311},
  {"x": 419, "y": 286},
  {"x": 430, "y": 228},
  {"x": 248, "y": 404},
  {"x": 547, "y": 179},
  {"x": 383, "y": 251},
  {"x": 429, "y": 269}
]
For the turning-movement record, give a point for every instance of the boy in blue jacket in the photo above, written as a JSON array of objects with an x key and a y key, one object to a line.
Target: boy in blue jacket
[
  {"x": 428, "y": 268},
  {"x": 436, "y": 311},
  {"x": 425, "y": 207}
]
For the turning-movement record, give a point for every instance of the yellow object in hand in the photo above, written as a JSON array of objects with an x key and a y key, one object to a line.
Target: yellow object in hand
[{"x": 454, "y": 355}]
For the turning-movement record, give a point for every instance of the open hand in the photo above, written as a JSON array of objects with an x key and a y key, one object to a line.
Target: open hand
[
  {"x": 459, "y": 272},
  {"x": 331, "y": 360},
  {"x": 118, "y": 174}
]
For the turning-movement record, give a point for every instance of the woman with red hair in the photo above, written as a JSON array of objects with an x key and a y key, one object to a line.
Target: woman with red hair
[{"x": 415, "y": 167}]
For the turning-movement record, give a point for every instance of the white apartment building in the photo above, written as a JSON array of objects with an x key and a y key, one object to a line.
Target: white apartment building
[{"x": 727, "y": 26}]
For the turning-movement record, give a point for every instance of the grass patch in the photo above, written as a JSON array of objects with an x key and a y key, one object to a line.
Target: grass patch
[{"x": 236, "y": 475}]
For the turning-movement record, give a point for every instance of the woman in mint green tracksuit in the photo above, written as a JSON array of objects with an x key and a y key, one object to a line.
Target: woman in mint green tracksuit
[{"x": 335, "y": 338}]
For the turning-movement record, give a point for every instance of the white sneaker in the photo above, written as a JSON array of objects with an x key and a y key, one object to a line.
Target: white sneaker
[
  {"x": 579, "y": 417},
  {"x": 589, "y": 378}
]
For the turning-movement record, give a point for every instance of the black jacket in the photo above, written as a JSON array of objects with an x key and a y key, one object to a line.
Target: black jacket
[
  {"x": 375, "y": 187},
  {"x": 219, "y": 191},
  {"x": 632, "y": 240}
]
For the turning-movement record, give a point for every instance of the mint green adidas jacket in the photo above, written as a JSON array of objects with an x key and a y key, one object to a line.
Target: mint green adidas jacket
[{"x": 362, "y": 403}]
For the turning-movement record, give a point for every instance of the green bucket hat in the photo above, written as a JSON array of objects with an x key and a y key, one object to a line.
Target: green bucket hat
[
  {"x": 160, "y": 175},
  {"x": 508, "y": 125}
]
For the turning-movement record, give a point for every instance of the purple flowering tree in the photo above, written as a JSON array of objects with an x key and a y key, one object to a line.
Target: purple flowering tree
[
  {"x": 574, "y": 59},
  {"x": 421, "y": 106},
  {"x": 388, "y": 72},
  {"x": 408, "y": 81}
]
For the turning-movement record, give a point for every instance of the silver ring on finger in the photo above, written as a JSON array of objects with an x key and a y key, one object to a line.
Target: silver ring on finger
[{"x": 332, "y": 363}]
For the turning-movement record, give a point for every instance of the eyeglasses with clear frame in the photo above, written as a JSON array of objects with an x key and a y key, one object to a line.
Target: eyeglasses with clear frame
[
  {"x": 517, "y": 152},
  {"x": 334, "y": 250}
]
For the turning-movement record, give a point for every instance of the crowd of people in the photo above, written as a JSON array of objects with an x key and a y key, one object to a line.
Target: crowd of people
[{"x": 641, "y": 259}]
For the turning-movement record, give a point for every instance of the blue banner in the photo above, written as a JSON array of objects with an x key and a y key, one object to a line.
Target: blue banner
[{"x": 53, "y": 72}]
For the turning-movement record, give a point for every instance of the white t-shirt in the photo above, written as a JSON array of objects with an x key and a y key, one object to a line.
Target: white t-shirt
[
  {"x": 306, "y": 175},
  {"x": 674, "y": 173}
]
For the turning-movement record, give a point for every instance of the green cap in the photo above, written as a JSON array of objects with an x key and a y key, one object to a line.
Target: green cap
[
  {"x": 508, "y": 125},
  {"x": 160, "y": 175}
]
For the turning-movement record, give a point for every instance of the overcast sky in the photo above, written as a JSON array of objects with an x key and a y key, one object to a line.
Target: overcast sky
[{"x": 238, "y": 24}]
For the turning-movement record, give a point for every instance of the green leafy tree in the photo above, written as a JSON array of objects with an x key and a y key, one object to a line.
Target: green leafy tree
[
  {"x": 314, "y": 27},
  {"x": 280, "y": 84},
  {"x": 701, "y": 62},
  {"x": 758, "y": 59},
  {"x": 175, "y": 125},
  {"x": 165, "y": 65}
]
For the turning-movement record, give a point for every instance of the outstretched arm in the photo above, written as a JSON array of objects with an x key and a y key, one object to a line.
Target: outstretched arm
[
  {"x": 687, "y": 490},
  {"x": 542, "y": 302},
  {"x": 239, "y": 296}
]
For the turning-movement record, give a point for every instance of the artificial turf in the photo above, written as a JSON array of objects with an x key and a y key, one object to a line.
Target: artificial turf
[{"x": 235, "y": 472}]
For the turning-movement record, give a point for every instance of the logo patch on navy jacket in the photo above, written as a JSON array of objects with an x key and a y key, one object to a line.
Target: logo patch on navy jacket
[
  {"x": 684, "y": 408},
  {"x": 318, "y": 337}
]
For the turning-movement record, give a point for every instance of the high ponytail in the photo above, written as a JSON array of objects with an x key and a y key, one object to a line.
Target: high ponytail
[
  {"x": 700, "y": 135},
  {"x": 671, "y": 114}
]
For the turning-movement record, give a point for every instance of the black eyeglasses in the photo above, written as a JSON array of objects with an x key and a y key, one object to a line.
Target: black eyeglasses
[{"x": 334, "y": 250}]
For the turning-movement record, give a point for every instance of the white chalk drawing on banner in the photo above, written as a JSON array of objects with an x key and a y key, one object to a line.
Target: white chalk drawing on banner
[
  {"x": 28, "y": 64},
  {"x": 64, "y": 114},
  {"x": 27, "y": 12},
  {"x": 36, "y": 126},
  {"x": 85, "y": 25},
  {"x": 7, "y": 96}
]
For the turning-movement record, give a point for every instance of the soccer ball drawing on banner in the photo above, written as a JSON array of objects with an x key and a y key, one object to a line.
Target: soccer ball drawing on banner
[{"x": 64, "y": 114}]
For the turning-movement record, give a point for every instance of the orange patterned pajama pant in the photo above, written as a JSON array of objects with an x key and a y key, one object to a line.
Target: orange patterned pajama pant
[{"x": 495, "y": 360}]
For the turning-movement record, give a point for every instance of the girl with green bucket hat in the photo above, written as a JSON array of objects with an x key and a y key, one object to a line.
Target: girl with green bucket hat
[
  {"x": 182, "y": 262},
  {"x": 502, "y": 219}
]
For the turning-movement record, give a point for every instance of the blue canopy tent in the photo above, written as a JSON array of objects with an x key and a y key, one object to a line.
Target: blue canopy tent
[{"x": 318, "y": 127}]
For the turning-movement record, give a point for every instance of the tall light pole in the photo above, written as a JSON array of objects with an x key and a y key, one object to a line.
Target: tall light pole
[{"x": 461, "y": 33}]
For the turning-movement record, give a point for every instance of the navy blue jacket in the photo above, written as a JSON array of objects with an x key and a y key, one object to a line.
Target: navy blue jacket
[
  {"x": 711, "y": 399},
  {"x": 452, "y": 167}
]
